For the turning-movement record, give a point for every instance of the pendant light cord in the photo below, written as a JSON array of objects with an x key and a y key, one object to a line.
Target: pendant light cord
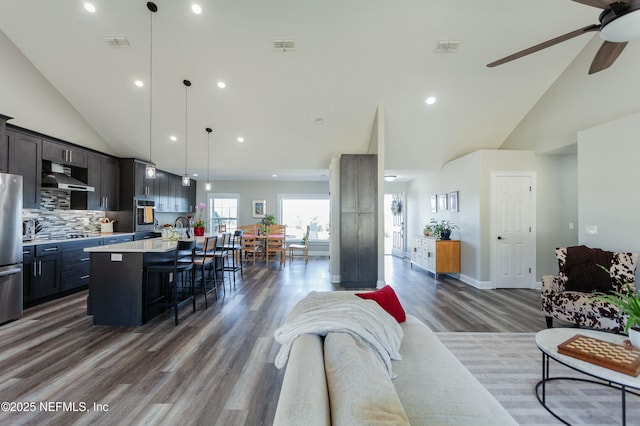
[{"x": 150, "y": 83}]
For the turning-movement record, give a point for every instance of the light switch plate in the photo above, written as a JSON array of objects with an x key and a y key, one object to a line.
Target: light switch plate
[{"x": 591, "y": 230}]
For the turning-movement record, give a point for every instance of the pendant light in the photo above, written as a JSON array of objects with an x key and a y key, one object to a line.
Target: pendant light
[
  {"x": 207, "y": 187},
  {"x": 186, "y": 181},
  {"x": 150, "y": 169}
]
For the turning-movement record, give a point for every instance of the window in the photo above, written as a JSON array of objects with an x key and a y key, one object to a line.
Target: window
[
  {"x": 223, "y": 210},
  {"x": 298, "y": 211}
]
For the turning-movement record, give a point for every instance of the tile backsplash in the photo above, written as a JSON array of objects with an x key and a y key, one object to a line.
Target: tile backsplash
[{"x": 58, "y": 220}]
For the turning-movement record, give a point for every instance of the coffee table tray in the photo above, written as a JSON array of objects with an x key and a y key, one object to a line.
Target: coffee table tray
[{"x": 605, "y": 354}]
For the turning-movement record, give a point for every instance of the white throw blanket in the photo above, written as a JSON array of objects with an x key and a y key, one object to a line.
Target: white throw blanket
[{"x": 321, "y": 313}]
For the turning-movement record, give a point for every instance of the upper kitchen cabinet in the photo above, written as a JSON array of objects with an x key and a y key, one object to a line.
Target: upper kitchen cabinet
[
  {"x": 25, "y": 159},
  {"x": 61, "y": 153},
  {"x": 4, "y": 145},
  {"x": 142, "y": 184},
  {"x": 104, "y": 176}
]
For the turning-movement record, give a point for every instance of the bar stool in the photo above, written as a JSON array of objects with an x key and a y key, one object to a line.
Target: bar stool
[
  {"x": 205, "y": 259},
  {"x": 235, "y": 248},
  {"x": 182, "y": 262}
]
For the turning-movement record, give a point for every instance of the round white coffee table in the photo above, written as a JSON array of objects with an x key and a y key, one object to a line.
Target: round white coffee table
[{"x": 548, "y": 341}]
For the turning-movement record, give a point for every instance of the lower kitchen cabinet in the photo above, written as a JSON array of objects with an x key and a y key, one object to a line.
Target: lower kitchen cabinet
[{"x": 41, "y": 272}]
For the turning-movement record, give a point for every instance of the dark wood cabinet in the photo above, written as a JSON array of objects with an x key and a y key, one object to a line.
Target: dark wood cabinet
[
  {"x": 45, "y": 271},
  {"x": 61, "y": 153},
  {"x": 4, "y": 145},
  {"x": 104, "y": 176},
  {"x": 25, "y": 159},
  {"x": 75, "y": 264},
  {"x": 142, "y": 184},
  {"x": 358, "y": 220},
  {"x": 161, "y": 189}
]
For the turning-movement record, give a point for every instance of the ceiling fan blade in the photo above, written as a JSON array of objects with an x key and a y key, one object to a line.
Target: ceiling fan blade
[
  {"x": 606, "y": 56},
  {"x": 544, "y": 45},
  {"x": 601, "y": 4}
]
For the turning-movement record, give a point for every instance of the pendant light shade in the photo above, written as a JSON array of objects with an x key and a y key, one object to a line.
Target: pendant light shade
[
  {"x": 150, "y": 169},
  {"x": 208, "y": 184},
  {"x": 186, "y": 181}
]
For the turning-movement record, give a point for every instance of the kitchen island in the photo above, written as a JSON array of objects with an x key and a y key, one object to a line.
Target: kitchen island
[{"x": 117, "y": 284}]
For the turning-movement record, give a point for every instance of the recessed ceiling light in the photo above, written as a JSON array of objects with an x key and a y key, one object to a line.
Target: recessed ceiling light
[
  {"x": 274, "y": 175},
  {"x": 319, "y": 120},
  {"x": 390, "y": 178},
  {"x": 173, "y": 138},
  {"x": 431, "y": 100},
  {"x": 89, "y": 7},
  {"x": 196, "y": 9},
  {"x": 240, "y": 139},
  {"x": 195, "y": 175},
  {"x": 222, "y": 84},
  {"x": 138, "y": 83}
]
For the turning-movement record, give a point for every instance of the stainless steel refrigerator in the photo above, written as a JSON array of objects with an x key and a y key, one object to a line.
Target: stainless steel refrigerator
[{"x": 10, "y": 247}]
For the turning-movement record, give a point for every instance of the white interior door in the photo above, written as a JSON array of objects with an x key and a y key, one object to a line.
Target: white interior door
[
  {"x": 397, "y": 227},
  {"x": 513, "y": 247}
]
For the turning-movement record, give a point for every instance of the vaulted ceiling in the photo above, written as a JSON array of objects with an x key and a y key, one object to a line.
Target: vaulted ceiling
[{"x": 297, "y": 108}]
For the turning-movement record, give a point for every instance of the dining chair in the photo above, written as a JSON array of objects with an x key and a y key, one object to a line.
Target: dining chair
[
  {"x": 175, "y": 295},
  {"x": 276, "y": 242},
  {"x": 300, "y": 250},
  {"x": 250, "y": 243}
]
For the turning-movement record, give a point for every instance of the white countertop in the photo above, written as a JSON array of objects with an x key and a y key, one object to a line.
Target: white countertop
[
  {"x": 67, "y": 240},
  {"x": 151, "y": 245}
]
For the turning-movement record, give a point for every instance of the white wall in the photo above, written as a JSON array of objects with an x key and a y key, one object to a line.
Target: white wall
[
  {"x": 470, "y": 176},
  {"x": 557, "y": 208},
  {"x": 577, "y": 101},
  {"x": 36, "y": 105},
  {"x": 608, "y": 178},
  {"x": 260, "y": 190}
]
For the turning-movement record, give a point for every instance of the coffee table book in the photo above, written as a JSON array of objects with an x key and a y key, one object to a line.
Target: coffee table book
[{"x": 605, "y": 354}]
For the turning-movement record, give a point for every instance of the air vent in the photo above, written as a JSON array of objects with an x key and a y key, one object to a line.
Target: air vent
[
  {"x": 117, "y": 41},
  {"x": 284, "y": 45},
  {"x": 446, "y": 46}
]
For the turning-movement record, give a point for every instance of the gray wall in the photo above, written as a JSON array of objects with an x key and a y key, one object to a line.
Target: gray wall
[{"x": 36, "y": 105}]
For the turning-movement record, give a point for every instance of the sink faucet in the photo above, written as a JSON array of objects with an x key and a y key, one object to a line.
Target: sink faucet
[{"x": 183, "y": 222}]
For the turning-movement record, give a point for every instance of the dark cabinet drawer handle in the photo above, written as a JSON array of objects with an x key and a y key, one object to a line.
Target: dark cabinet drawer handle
[
  {"x": 51, "y": 249},
  {"x": 84, "y": 277},
  {"x": 84, "y": 259}
]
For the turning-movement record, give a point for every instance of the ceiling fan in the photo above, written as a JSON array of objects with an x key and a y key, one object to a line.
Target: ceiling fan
[{"x": 619, "y": 24}]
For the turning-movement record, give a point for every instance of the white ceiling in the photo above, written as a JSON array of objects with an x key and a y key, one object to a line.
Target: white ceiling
[{"x": 351, "y": 56}]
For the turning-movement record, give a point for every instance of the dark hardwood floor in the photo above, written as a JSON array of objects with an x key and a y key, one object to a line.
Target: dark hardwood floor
[{"x": 216, "y": 366}]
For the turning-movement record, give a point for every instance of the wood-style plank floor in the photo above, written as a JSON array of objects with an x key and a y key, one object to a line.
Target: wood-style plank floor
[{"x": 216, "y": 366}]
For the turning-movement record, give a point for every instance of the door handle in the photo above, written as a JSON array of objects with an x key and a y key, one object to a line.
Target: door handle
[
  {"x": 500, "y": 238},
  {"x": 10, "y": 272}
]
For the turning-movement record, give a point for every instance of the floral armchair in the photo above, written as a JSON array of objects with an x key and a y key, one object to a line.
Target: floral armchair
[{"x": 568, "y": 295}]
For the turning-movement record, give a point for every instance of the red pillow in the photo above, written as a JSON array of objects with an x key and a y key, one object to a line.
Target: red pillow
[{"x": 388, "y": 300}]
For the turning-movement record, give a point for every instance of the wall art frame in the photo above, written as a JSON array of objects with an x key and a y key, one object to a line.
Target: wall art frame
[
  {"x": 453, "y": 201},
  {"x": 258, "y": 208}
]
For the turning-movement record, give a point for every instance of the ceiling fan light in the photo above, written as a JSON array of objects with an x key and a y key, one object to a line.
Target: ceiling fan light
[{"x": 622, "y": 29}]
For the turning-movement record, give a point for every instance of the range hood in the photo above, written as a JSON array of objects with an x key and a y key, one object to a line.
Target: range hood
[{"x": 54, "y": 176}]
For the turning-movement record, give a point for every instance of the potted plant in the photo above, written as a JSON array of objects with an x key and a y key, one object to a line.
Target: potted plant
[
  {"x": 627, "y": 303},
  {"x": 428, "y": 232},
  {"x": 198, "y": 226},
  {"x": 442, "y": 230}
]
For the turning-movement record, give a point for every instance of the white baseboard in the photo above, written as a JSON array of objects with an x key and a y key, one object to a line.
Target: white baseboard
[{"x": 483, "y": 285}]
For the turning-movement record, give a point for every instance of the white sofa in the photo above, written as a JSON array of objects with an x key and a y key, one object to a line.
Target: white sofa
[{"x": 433, "y": 387}]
